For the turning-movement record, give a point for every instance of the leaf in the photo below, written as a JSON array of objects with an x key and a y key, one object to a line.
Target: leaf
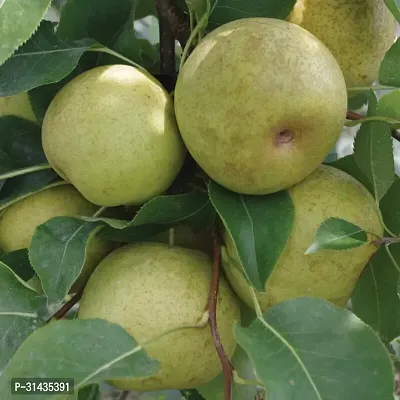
[
  {"x": 215, "y": 390},
  {"x": 91, "y": 392},
  {"x": 23, "y": 186},
  {"x": 101, "y": 21},
  {"x": 18, "y": 262},
  {"x": 57, "y": 253},
  {"x": 390, "y": 208},
  {"x": 375, "y": 299},
  {"x": 259, "y": 227},
  {"x": 389, "y": 72},
  {"x": 307, "y": 348},
  {"x": 357, "y": 101},
  {"x": 17, "y": 23},
  {"x": 89, "y": 351},
  {"x": 161, "y": 213},
  {"x": 373, "y": 152},
  {"x": 143, "y": 8},
  {"x": 392, "y": 6},
  {"x": 44, "y": 59},
  {"x": 224, "y": 11},
  {"x": 19, "y": 315},
  {"x": 348, "y": 164},
  {"x": 389, "y": 105},
  {"x": 337, "y": 234}
]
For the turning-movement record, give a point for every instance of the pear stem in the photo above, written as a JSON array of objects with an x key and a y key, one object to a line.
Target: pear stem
[
  {"x": 24, "y": 171},
  {"x": 212, "y": 317},
  {"x": 353, "y": 116},
  {"x": 66, "y": 307}
]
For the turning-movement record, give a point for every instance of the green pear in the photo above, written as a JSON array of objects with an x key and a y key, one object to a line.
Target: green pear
[
  {"x": 112, "y": 133},
  {"x": 18, "y": 105},
  {"x": 260, "y": 103},
  {"x": 18, "y": 222},
  {"x": 150, "y": 289},
  {"x": 357, "y": 32},
  {"x": 189, "y": 237},
  {"x": 328, "y": 274}
]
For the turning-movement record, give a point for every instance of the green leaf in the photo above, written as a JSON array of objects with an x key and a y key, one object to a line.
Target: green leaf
[
  {"x": 337, "y": 234},
  {"x": 89, "y": 351},
  {"x": 390, "y": 208},
  {"x": 91, "y": 392},
  {"x": 375, "y": 298},
  {"x": 307, "y": 348},
  {"x": 389, "y": 73},
  {"x": 161, "y": 213},
  {"x": 215, "y": 390},
  {"x": 44, "y": 59},
  {"x": 392, "y": 6},
  {"x": 20, "y": 187},
  {"x": 57, "y": 253},
  {"x": 18, "y": 20},
  {"x": 373, "y": 152},
  {"x": 389, "y": 105},
  {"x": 19, "y": 315},
  {"x": 18, "y": 262},
  {"x": 224, "y": 11},
  {"x": 259, "y": 227},
  {"x": 99, "y": 20},
  {"x": 356, "y": 102},
  {"x": 143, "y": 8},
  {"x": 348, "y": 164}
]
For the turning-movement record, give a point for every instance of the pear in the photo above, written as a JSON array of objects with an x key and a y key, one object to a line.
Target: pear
[
  {"x": 150, "y": 289},
  {"x": 357, "y": 32},
  {"x": 18, "y": 105},
  {"x": 260, "y": 103},
  {"x": 18, "y": 222},
  {"x": 112, "y": 133},
  {"x": 189, "y": 237},
  {"x": 328, "y": 274}
]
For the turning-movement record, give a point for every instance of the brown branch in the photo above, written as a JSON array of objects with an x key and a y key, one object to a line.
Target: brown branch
[
  {"x": 212, "y": 318},
  {"x": 67, "y": 306},
  {"x": 353, "y": 116},
  {"x": 386, "y": 240}
]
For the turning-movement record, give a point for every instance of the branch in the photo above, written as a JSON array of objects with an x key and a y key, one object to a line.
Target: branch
[
  {"x": 212, "y": 306},
  {"x": 66, "y": 307},
  {"x": 353, "y": 116}
]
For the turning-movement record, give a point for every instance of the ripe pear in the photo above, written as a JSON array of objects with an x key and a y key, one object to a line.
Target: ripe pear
[
  {"x": 18, "y": 222},
  {"x": 357, "y": 32},
  {"x": 328, "y": 274},
  {"x": 112, "y": 133},
  {"x": 189, "y": 237},
  {"x": 260, "y": 103},
  {"x": 18, "y": 105},
  {"x": 151, "y": 288}
]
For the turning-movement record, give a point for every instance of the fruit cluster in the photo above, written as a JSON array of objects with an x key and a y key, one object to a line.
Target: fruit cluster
[{"x": 258, "y": 104}]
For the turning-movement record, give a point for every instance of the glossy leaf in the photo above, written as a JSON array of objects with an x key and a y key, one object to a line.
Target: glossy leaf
[
  {"x": 307, "y": 348},
  {"x": 224, "y": 11},
  {"x": 390, "y": 209},
  {"x": 375, "y": 299},
  {"x": 389, "y": 105},
  {"x": 373, "y": 152},
  {"x": 18, "y": 262},
  {"x": 259, "y": 227},
  {"x": 91, "y": 392},
  {"x": 337, "y": 234},
  {"x": 19, "y": 312},
  {"x": 18, "y": 20},
  {"x": 89, "y": 351},
  {"x": 57, "y": 253},
  {"x": 389, "y": 73},
  {"x": 44, "y": 59},
  {"x": 157, "y": 215},
  {"x": 394, "y": 9}
]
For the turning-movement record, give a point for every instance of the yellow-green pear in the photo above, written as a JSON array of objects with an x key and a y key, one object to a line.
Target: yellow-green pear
[
  {"x": 18, "y": 105},
  {"x": 357, "y": 32},
  {"x": 189, "y": 237},
  {"x": 18, "y": 222},
  {"x": 112, "y": 133},
  {"x": 260, "y": 103},
  {"x": 150, "y": 289},
  {"x": 328, "y": 274}
]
